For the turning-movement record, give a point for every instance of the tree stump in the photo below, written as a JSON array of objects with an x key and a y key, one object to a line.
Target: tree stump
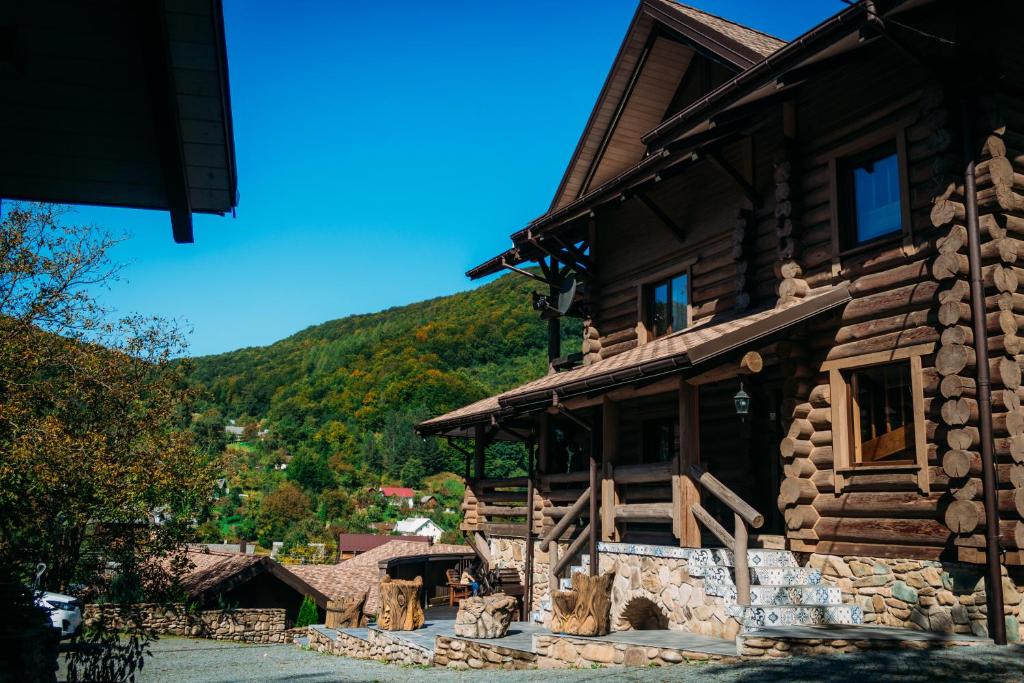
[
  {"x": 400, "y": 608},
  {"x": 586, "y": 609},
  {"x": 346, "y": 613},
  {"x": 485, "y": 617}
]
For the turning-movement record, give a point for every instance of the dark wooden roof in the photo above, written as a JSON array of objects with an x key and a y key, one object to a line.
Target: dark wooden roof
[
  {"x": 120, "y": 103},
  {"x": 360, "y": 543},
  {"x": 218, "y": 573}
]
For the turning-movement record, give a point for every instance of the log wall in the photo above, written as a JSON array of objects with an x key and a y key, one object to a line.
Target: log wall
[{"x": 909, "y": 291}]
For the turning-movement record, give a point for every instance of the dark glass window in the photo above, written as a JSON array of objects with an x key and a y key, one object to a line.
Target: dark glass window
[
  {"x": 871, "y": 184},
  {"x": 659, "y": 440},
  {"x": 667, "y": 306},
  {"x": 882, "y": 417}
]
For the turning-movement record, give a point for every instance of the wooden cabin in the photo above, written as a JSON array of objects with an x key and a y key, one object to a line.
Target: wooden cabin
[{"x": 783, "y": 354}]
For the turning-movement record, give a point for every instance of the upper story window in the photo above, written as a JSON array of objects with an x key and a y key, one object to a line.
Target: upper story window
[
  {"x": 870, "y": 184},
  {"x": 667, "y": 307}
]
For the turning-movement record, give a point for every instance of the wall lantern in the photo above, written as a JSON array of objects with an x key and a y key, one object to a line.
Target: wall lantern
[{"x": 742, "y": 401}]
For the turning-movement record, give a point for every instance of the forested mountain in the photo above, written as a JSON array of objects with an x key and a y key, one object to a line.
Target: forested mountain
[{"x": 338, "y": 400}]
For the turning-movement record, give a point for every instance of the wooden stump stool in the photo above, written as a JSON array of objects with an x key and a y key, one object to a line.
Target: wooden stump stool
[
  {"x": 485, "y": 617},
  {"x": 346, "y": 613},
  {"x": 400, "y": 608},
  {"x": 586, "y": 609}
]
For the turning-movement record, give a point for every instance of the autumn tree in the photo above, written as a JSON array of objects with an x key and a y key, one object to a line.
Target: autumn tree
[{"x": 94, "y": 438}]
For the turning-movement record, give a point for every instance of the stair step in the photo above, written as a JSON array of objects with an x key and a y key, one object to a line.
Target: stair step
[
  {"x": 763, "y": 596},
  {"x": 801, "y": 615},
  {"x": 785, "y": 576}
]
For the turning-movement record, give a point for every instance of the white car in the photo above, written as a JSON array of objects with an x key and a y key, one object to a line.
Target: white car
[{"x": 65, "y": 611}]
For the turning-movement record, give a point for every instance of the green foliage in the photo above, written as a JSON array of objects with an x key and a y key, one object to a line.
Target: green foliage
[
  {"x": 307, "y": 613},
  {"x": 339, "y": 402}
]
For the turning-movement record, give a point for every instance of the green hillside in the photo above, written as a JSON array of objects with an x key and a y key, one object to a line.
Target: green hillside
[{"x": 338, "y": 401}]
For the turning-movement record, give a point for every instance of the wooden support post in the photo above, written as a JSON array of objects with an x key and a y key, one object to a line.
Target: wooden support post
[
  {"x": 740, "y": 563},
  {"x": 596, "y": 433},
  {"x": 609, "y": 455},
  {"x": 528, "y": 578},
  {"x": 479, "y": 451},
  {"x": 685, "y": 492}
]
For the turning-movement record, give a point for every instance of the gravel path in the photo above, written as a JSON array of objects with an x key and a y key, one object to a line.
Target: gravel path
[{"x": 180, "y": 660}]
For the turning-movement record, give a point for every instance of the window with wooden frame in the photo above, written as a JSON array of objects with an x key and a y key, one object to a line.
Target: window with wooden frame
[
  {"x": 667, "y": 305},
  {"x": 658, "y": 439},
  {"x": 870, "y": 193},
  {"x": 878, "y": 420}
]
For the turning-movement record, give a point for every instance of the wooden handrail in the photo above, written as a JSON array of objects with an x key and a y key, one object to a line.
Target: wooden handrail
[
  {"x": 574, "y": 549},
  {"x": 727, "y": 496},
  {"x": 501, "y": 511},
  {"x": 566, "y": 477},
  {"x": 712, "y": 525},
  {"x": 643, "y": 474},
  {"x": 498, "y": 483},
  {"x": 570, "y": 516}
]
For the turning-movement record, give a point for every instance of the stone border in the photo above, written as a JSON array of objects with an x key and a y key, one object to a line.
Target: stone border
[
  {"x": 459, "y": 653},
  {"x": 560, "y": 652},
  {"x": 377, "y": 645},
  {"x": 760, "y": 647},
  {"x": 246, "y": 625}
]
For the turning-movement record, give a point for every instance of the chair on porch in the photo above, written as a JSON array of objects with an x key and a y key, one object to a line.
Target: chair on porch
[{"x": 456, "y": 590}]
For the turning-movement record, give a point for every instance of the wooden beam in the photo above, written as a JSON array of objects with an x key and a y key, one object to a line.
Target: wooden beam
[
  {"x": 163, "y": 100},
  {"x": 663, "y": 386},
  {"x": 685, "y": 492},
  {"x": 676, "y": 229},
  {"x": 609, "y": 455},
  {"x": 748, "y": 190}
]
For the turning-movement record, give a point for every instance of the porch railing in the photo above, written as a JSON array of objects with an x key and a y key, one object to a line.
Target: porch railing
[{"x": 743, "y": 515}]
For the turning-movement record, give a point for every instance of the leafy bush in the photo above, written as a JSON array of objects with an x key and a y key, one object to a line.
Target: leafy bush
[{"x": 307, "y": 613}]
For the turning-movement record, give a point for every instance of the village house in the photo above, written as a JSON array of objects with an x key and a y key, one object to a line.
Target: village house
[
  {"x": 419, "y": 526},
  {"x": 401, "y": 496},
  {"x": 797, "y": 396}
]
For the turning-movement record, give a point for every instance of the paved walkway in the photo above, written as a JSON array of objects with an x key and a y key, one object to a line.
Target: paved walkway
[{"x": 180, "y": 660}]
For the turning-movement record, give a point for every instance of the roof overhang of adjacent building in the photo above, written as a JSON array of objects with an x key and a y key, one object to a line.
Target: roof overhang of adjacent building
[{"x": 122, "y": 103}]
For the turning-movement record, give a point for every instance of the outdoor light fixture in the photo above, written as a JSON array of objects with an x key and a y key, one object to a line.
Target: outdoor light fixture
[{"x": 742, "y": 401}]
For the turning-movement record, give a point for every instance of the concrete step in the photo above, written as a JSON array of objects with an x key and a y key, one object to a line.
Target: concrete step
[
  {"x": 784, "y": 576},
  {"x": 765, "y": 596},
  {"x": 801, "y": 615}
]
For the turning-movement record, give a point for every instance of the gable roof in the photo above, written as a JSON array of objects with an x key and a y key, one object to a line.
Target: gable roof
[
  {"x": 360, "y": 543},
  {"x": 397, "y": 491},
  {"x": 361, "y": 574},
  {"x": 663, "y": 356},
  {"x": 658, "y": 48},
  {"x": 216, "y": 573},
  {"x": 413, "y": 524}
]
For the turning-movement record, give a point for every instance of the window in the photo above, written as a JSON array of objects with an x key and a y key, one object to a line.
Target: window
[
  {"x": 878, "y": 419},
  {"x": 667, "y": 306},
  {"x": 870, "y": 185},
  {"x": 881, "y": 414}
]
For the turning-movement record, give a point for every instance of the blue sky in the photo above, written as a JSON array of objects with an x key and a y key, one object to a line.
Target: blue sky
[{"x": 383, "y": 149}]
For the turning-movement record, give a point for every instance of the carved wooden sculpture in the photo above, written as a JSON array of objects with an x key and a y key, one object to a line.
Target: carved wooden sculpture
[
  {"x": 400, "y": 608},
  {"x": 586, "y": 609},
  {"x": 346, "y": 613}
]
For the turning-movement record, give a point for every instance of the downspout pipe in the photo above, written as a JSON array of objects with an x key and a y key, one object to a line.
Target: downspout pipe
[{"x": 994, "y": 578}]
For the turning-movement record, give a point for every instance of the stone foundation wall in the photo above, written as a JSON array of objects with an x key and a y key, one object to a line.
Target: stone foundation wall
[
  {"x": 242, "y": 625},
  {"x": 343, "y": 644},
  {"x": 757, "y": 647},
  {"x": 559, "y": 652},
  {"x": 511, "y": 552},
  {"x": 668, "y": 583},
  {"x": 456, "y": 653},
  {"x": 928, "y": 595}
]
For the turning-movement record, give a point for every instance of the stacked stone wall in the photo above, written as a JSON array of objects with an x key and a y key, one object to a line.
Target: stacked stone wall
[
  {"x": 945, "y": 597},
  {"x": 456, "y": 653},
  {"x": 560, "y": 652},
  {"x": 241, "y": 625}
]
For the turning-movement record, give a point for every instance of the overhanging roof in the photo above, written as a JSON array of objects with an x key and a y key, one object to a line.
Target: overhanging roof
[
  {"x": 695, "y": 126},
  {"x": 675, "y": 353},
  {"x": 118, "y": 103}
]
